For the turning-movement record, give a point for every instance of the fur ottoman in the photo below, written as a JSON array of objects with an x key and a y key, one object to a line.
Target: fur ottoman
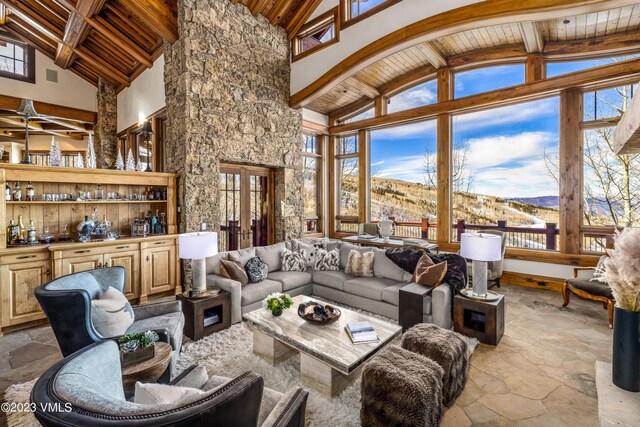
[
  {"x": 401, "y": 388},
  {"x": 446, "y": 348}
]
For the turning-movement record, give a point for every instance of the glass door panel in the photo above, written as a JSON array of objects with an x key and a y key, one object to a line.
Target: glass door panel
[{"x": 230, "y": 226}]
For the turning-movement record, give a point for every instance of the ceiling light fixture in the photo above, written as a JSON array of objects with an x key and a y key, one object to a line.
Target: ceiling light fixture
[{"x": 566, "y": 21}]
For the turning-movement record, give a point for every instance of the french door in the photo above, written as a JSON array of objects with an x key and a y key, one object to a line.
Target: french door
[{"x": 246, "y": 202}]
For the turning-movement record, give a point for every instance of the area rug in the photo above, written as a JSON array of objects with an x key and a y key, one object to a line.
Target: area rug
[{"x": 229, "y": 353}]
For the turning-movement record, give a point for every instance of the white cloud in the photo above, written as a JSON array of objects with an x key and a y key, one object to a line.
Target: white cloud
[
  {"x": 381, "y": 162},
  {"x": 426, "y": 129},
  {"x": 528, "y": 180},
  {"x": 416, "y": 97},
  {"x": 492, "y": 151},
  {"x": 407, "y": 168}
]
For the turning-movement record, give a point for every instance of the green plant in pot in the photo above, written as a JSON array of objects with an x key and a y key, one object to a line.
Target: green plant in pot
[
  {"x": 277, "y": 303},
  {"x": 622, "y": 274},
  {"x": 137, "y": 347}
]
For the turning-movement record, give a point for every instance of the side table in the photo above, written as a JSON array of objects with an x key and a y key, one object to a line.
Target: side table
[
  {"x": 147, "y": 371},
  {"x": 411, "y": 304},
  {"x": 195, "y": 311},
  {"x": 483, "y": 320}
]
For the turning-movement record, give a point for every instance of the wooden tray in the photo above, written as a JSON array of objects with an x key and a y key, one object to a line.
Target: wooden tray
[{"x": 327, "y": 318}]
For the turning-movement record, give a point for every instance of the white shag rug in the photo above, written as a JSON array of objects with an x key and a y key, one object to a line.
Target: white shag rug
[{"x": 229, "y": 353}]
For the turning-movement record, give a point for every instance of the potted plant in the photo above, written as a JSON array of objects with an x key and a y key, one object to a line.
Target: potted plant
[
  {"x": 277, "y": 303},
  {"x": 622, "y": 274},
  {"x": 137, "y": 347}
]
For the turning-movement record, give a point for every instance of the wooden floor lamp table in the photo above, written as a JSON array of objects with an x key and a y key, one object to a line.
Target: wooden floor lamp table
[{"x": 483, "y": 320}]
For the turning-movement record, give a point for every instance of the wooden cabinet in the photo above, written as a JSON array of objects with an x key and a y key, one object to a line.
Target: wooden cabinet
[
  {"x": 79, "y": 264},
  {"x": 158, "y": 269},
  {"x": 19, "y": 304},
  {"x": 130, "y": 261}
]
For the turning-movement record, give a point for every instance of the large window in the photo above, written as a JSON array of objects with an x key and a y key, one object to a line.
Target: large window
[
  {"x": 360, "y": 116},
  {"x": 504, "y": 163},
  {"x": 347, "y": 185},
  {"x": 403, "y": 176},
  {"x": 565, "y": 67},
  {"x": 317, "y": 34},
  {"x": 312, "y": 185},
  {"x": 17, "y": 60},
  {"x": 356, "y": 10},
  {"x": 486, "y": 79},
  {"x": 422, "y": 94}
]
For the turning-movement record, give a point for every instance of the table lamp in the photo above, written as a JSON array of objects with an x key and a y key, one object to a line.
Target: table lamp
[
  {"x": 480, "y": 248},
  {"x": 197, "y": 247}
]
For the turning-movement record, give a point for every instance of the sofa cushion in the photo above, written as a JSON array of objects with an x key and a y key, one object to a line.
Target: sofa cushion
[
  {"x": 293, "y": 261},
  {"x": 384, "y": 267},
  {"x": 291, "y": 279},
  {"x": 592, "y": 287},
  {"x": 346, "y": 248},
  {"x": 327, "y": 260},
  {"x": 272, "y": 255},
  {"x": 172, "y": 322},
  {"x": 243, "y": 255},
  {"x": 111, "y": 314},
  {"x": 155, "y": 393},
  {"x": 368, "y": 287},
  {"x": 331, "y": 279},
  {"x": 258, "y": 291}
]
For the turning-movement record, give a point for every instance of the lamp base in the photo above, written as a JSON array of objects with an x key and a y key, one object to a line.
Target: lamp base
[
  {"x": 479, "y": 269},
  {"x": 199, "y": 275}
]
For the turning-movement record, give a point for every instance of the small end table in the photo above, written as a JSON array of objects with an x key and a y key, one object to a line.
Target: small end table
[
  {"x": 411, "y": 304},
  {"x": 147, "y": 371},
  {"x": 195, "y": 311},
  {"x": 483, "y": 320}
]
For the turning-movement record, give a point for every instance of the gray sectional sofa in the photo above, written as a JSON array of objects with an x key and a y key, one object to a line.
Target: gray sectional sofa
[{"x": 378, "y": 294}]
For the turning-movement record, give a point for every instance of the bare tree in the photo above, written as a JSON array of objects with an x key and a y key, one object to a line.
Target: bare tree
[{"x": 461, "y": 176}]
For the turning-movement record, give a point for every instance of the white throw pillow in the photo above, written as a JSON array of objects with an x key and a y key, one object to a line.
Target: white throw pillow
[
  {"x": 111, "y": 314},
  {"x": 153, "y": 393}
]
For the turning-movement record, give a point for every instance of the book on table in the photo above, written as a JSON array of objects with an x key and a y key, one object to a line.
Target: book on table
[
  {"x": 361, "y": 333},
  {"x": 366, "y": 237}
]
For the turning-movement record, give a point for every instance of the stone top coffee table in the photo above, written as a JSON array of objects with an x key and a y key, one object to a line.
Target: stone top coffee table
[{"x": 329, "y": 361}]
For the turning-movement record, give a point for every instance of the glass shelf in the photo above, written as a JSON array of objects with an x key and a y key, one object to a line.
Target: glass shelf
[{"x": 75, "y": 202}]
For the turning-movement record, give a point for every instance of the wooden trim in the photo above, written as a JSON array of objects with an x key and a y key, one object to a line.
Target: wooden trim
[
  {"x": 332, "y": 196},
  {"x": 13, "y": 103},
  {"x": 351, "y": 110},
  {"x": 363, "y": 176},
  {"x": 490, "y": 12},
  {"x": 348, "y": 21},
  {"x": 302, "y": 14},
  {"x": 571, "y": 170},
  {"x": 607, "y": 75},
  {"x": 29, "y": 64},
  {"x": 443, "y": 150},
  {"x": 616, "y": 44},
  {"x": 596, "y": 124},
  {"x": 314, "y": 127},
  {"x": 332, "y": 17},
  {"x": 408, "y": 80},
  {"x": 380, "y": 105},
  {"x": 535, "y": 68},
  {"x": 157, "y": 15},
  {"x": 532, "y": 281}
]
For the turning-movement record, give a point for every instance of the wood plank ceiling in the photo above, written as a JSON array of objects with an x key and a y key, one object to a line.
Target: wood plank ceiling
[
  {"x": 609, "y": 30},
  {"x": 115, "y": 40}
]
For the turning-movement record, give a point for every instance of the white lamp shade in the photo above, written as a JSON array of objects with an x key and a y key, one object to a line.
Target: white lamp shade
[
  {"x": 198, "y": 245},
  {"x": 481, "y": 247}
]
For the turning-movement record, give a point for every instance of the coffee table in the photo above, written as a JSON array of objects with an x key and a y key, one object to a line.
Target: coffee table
[
  {"x": 148, "y": 370},
  {"x": 329, "y": 361}
]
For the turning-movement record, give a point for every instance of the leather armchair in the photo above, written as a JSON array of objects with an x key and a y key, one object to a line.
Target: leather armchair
[
  {"x": 66, "y": 302},
  {"x": 85, "y": 389}
]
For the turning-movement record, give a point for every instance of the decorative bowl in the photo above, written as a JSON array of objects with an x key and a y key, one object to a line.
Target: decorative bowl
[{"x": 322, "y": 314}]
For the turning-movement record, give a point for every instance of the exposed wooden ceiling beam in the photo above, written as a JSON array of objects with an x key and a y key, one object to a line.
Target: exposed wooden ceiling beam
[
  {"x": 279, "y": 10},
  {"x": 626, "y": 137},
  {"x": 533, "y": 40},
  {"x": 35, "y": 12},
  {"x": 301, "y": 16},
  {"x": 109, "y": 72},
  {"x": 158, "y": 15},
  {"x": 628, "y": 42},
  {"x": 433, "y": 55},
  {"x": 355, "y": 107},
  {"x": 483, "y": 56},
  {"x": 12, "y": 103},
  {"x": 363, "y": 87},
  {"x": 76, "y": 31}
]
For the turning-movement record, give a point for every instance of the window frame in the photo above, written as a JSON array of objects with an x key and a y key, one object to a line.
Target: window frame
[
  {"x": 29, "y": 62},
  {"x": 332, "y": 16},
  {"x": 358, "y": 155},
  {"x": 347, "y": 20},
  {"x": 319, "y": 158}
]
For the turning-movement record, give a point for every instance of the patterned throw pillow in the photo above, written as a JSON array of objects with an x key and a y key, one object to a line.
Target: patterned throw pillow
[
  {"x": 111, "y": 314},
  {"x": 600, "y": 269},
  {"x": 293, "y": 261},
  {"x": 309, "y": 251},
  {"x": 327, "y": 260},
  {"x": 231, "y": 268},
  {"x": 429, "y": 274},
  {"x": 256, "y": 269},
  {"x": 360, "y": 264}
]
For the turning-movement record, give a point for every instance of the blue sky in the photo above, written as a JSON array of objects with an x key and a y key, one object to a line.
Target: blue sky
[{"x": 506, "y": 145}]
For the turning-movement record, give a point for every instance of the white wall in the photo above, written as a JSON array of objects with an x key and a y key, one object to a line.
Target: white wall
[
  {"x": 307, "y": 70},
  {"x": 144, "y": 96},
  {"x": 538, "y": 268},
  {"x": 70, "y": 90},
  {"x": 315, "y": 117}
]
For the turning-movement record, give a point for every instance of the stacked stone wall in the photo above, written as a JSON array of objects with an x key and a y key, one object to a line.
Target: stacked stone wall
[{"x": 106, "y": 130}]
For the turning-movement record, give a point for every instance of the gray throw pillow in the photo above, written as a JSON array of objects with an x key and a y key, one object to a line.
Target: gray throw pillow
[
  {"x": 600, "y": 269},
  {"x": 256, "y": 269},
  {"x": 384, "y": 267},
  {"x": 197, "y": 378},
  {"x": 155, "y": 393},
  {"x": 345, "y": 250},
  {"x": 293, "y": 261},
  {"x": 309, "y": 252},
  {"x": 327, "y": 260},
  {"x": 111, "y": 314}
]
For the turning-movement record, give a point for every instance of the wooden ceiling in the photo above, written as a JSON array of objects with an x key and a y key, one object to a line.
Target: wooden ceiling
[
  {"x": 115, "y": 40},
  {"x": 608, "y": 31}
]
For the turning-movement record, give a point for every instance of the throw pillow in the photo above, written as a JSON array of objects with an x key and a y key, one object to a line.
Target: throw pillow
[
  {"x": 231, "y": 268},
  {"x": 360, "y": 264},
  {"x": 154, "y": 393},
  {"x": 345, "y": 250},
  {"x": 384, "y": 267},
  {"x": 309, "y": 251},
  {"x": 272, "y": 255},
  {"x": 196, "y": 378},
  {"x": 600, "y": 269},
  {"x": 320, "y": 242},
  {"x": 111, "y": 314},
  {"x": 429, "y": 274},
  {"x": 405, "y": 258},
  {"x": 256, "y": 269},
  {"x": 293, "y": 261},
  {"x": 327, "y": 260}
]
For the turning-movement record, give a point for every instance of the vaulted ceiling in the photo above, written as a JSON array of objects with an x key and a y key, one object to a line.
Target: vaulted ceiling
[{"x": 118, "y": 39}]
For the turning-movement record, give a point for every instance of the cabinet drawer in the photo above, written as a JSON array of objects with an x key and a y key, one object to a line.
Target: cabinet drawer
[
  {"x": 81, "y": 252},
  {"x": 123, "y": 247},
  {"x": 24, "y": 257},
  {"x": 158, "y": 243}
]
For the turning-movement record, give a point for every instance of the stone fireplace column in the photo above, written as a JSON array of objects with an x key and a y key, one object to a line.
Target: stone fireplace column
[{"x": 106, "y": 130}]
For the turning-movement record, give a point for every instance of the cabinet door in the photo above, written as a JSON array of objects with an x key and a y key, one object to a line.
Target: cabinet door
[
  {"x": 81, "y": 263},
  {"x": 159, "y": 269},
  {"x": 131, "y": 263},
  {"x": 19, "y": 304}
]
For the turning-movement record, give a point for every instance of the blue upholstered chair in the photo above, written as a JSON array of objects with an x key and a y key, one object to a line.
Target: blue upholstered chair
[
  {"x": 66, "y": 301},
  {"x": 85, "y": 389}
]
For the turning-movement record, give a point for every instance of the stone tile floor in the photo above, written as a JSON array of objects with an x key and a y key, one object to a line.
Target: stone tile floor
[{"x": 541, "y": 374}]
